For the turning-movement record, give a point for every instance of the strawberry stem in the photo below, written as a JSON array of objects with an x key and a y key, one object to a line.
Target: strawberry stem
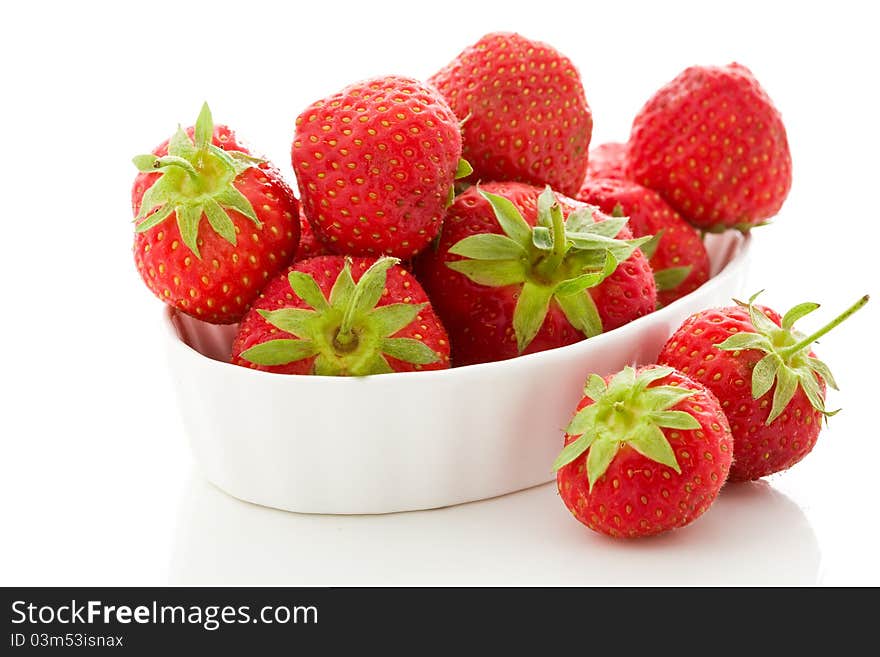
[
  {"x": 807, "y": 341},
  {"x": 345, "y": 336},
  {"x": 548, "y": 265}
]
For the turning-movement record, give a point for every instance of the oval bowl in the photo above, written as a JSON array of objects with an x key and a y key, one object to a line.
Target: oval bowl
[{"x": 406, "y": 441}]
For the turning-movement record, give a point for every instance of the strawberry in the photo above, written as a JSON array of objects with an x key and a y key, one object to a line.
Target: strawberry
[
  {"x": 341, "y": 316},
  {"x": 678, "y": 258},
  {"x": 608, "y": 161},
  {"x": 309, "y": 245},
  {"x": 714, "y": 146},
  {"x": 518, "y": 270},
  {"x": 771, "y": 386},
  {"x": 647, "y": 451},
  {"x": 523, "y": 110},
  {"x": 376, "y": 164},
  {"x": 210, "y": 269}
]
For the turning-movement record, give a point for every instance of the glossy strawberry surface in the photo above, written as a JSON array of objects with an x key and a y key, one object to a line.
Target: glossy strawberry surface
[
  {"x": 523, "y": 110},
  {"x": 375, "y": 164},
  {"x": 712, "y": 143},
  {"x": 608, "y": 161}
]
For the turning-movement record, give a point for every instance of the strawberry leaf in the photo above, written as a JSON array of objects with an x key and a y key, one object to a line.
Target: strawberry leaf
[
  {"x": 602, "y": 452},
  {"x": 648, "y": 440},
  {"x": 823, "y": 371},
  {"x": 542, "y": 238},
  {"x": 296, "y": 321},
  {"x": 811, "y": 388},
  {"x": 204, "y": 130},
  {"x": 581, "y": 312},
  {"x": 745, "y": 340},
  {"x": 796, "y": 313},
  {"x": 368, "y": 289},
  {"x": 181, "y": 145},
  {"x": 145, "y": 163},
  {"x": 279, "y": 352},
  {"x": 581, "y": 220},
  {"x": 649, "y": 248},
  {"x": 764, "y": 375},
  {"x": 573, "y": 450},
  {"x": 160, "y": 215},
  {"x": 609, "y": 228},
  {"x": 342, "y": 291},
  {"x": 464, "y": 169},
  {"x": 671, "y": 278},
  {"x": 760, "y": 321},
  {"x": 529, "y": 313},
  {"x": 307, "y": 289},
  {"x": 188, "y": 222},
  {"x": 655, "y": 374},
  {"x": 488, "y": 246},
  {"x": 495, "y": 273},
  {"x": 546, "y": 202},
  {"x": 594, "y": 388},
  {"x": 660, "y": 398},
  {"x": 220, "y": 221},
  {"x": 409, "y": 350},
  {"x": 786, "y": 386},
  {"x": 390, "y": 319},
  {"x": 234, "y": 200},
  {"x": 583, "y": 420},
  {"x": 674, "y": 420},
  {"x": 509, "y": 218}
]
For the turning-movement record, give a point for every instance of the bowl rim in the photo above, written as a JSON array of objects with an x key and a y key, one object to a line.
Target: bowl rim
[{"x": 179, "y": 346}]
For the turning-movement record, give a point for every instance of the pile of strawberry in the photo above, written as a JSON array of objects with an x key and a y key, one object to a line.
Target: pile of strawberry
[{"x": 465, "y": 220}]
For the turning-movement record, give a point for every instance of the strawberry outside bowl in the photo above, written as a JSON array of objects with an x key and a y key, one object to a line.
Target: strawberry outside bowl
[{"x": 404, "y": 441}]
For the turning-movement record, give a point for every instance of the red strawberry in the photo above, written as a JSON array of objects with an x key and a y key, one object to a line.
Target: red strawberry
[
  {"x": 608, "y": 161},
  {"x": 647, "y": 451},
  {"x": 309, "y": 245},
  {"x": 340, "y": 316},
  {"x": 214, "y": 223},
  {"x": 511, "y": 274},
  {"x": 679, "y": 259},
  {"x": 523, "y": 111},
  {"x": 376, "y": 164},
  {"x": 771, "y": 386},
  {"x": 714, "y": 146}
]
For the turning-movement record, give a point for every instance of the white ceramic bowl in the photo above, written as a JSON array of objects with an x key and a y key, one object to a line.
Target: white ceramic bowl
[{"x": 398, "y": 442}]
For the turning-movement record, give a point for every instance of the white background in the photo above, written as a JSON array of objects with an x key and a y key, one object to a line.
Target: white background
[{"x": 96, "y": 481}]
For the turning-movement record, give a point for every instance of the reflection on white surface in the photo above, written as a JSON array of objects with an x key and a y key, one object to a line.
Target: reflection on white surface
[{"x": 753, "y": 535}]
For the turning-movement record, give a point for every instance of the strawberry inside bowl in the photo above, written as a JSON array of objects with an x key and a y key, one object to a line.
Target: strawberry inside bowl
[{"x": 404, "y": 441}]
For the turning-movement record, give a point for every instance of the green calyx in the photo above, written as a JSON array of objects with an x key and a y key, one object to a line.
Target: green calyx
[
  {"x": 347, "y": 333},
  {"x": 787, "y": 362},
  {"x": 463, "y": 170},
  {"x": 671, "y": 278},
  {"x": 626, "y": 412},
  {"x": 558, "y": 259},
  {"x": 197, "y": 179}
]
